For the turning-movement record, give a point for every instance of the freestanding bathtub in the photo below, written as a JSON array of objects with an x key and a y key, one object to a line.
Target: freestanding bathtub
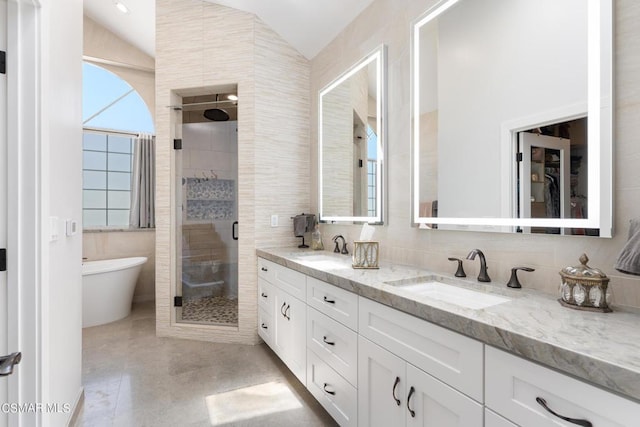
[{"x": 107, "y": 289}]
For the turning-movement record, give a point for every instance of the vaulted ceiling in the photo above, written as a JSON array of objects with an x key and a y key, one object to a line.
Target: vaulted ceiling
[{"x": 307, "y": 25}]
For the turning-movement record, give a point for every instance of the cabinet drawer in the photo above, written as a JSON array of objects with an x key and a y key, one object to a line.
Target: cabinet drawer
[
  {"x": 336, "y": 303},
  {"x": 333, "y": 392},
  {"x": 266, "y": 296},
  {"x": 291, "y": 281},
  {"x": 334, "y": 343},
  {"x": 266, "y": 326},
  {"x": 451, "y": 357},
  {"x": 513, "y": 384}
]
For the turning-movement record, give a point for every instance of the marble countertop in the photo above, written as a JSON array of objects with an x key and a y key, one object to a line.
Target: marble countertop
[{"x": 601, "y": 348}]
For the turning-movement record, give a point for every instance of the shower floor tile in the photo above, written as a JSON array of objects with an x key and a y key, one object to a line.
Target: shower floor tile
[{"x": 216, "y": 310}]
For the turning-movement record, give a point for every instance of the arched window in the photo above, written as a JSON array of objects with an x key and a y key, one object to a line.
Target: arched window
[{"x": 113, "y": 113}]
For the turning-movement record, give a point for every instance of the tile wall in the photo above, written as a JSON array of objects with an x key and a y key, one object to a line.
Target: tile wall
[{"x": 273, "y": 140}]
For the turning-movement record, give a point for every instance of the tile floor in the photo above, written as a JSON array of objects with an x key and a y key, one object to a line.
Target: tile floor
[
  {"x": 134, "y": 379},
  {"x": 211, "y": 309}
]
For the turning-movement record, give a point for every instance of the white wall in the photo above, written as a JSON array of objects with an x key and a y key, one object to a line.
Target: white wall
[
  {"x": 273, "y": 141},
  {"x": 499, "y": 60},
  {"x": 61, "y": 129}
]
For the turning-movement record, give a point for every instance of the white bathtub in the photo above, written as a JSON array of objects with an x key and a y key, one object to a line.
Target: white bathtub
[{"x": 107, "y": 289}]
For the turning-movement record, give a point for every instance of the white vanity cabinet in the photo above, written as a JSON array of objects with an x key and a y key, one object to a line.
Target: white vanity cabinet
[
  {"x": 282, "y": 314},
  {"x": 369, "y": 364},
  {"x": 393, "y": 391},
  {"x": 518, "y": 390}
]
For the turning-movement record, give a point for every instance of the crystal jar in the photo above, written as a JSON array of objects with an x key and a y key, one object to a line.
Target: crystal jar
[{"x": 584, "y": 288}]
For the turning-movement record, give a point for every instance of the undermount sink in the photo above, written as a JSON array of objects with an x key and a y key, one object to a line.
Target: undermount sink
[
  {"x": 433, "y": 288},
  {"x": 323, "y": 261}
]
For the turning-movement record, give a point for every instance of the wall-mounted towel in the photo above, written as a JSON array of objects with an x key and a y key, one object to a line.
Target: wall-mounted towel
[
  {"x": 303, "y": 224},
  {"x": 629, "y": 258}
]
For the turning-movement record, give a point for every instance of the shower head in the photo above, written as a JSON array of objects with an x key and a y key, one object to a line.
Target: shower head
[{"x": 216, "y": 114}]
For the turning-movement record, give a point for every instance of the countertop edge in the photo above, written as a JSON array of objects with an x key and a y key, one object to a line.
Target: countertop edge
[{"x": 609, "y": 376}]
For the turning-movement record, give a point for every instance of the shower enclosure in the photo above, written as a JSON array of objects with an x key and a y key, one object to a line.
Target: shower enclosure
[{"x": 207, "y": 206}]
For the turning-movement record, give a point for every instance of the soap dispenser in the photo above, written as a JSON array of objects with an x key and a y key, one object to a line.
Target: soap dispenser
[{"x": 316, "y": 240}]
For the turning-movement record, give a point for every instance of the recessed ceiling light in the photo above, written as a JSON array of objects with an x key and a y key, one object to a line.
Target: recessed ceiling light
[
  {"x": 232, "y": 97},
  {"x": 121, "y": 7}
]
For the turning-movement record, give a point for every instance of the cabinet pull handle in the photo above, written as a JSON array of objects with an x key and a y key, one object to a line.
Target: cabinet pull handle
[
  {"x": 327, "y": 342},
  {"x": 264, "y": 326},
  {"x": 411, "y": 411},
  {"x": 282, "y": 309},
  {"x": 286, "y": 310},
  {"x": 583, "y": 423},
  {"x": 264, "y": 269},
  {"x": 264, "y": 295},
  {"x": 330, "y": 301},
  {"x": 332, "y": 393},
  {"x": 393, "y": 392}
]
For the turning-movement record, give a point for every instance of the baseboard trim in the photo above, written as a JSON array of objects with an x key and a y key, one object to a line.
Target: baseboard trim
[
  {"x": 144, "y": 298},
  {"x": 77, "y": 407}
]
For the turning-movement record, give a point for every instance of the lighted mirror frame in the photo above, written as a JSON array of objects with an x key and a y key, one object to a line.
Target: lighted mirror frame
[
  {"x": 379, "y": 56},
  {"x": 599, "y": 111}
]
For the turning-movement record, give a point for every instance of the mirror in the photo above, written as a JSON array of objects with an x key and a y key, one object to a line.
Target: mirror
[
  {"x": 512, "y": 116},
  {"x": 351, "y": 140}
]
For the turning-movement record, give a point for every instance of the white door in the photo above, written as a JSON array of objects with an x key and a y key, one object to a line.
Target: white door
[
  {"x": 8, "y": 383},
  {"x": 432, "y": 403},
  {"x": 381, "y": 386},
  {"x": 539, "y": 171},
  {"x": 290, "y": 335},
  {"x": 4, "y": 382}
]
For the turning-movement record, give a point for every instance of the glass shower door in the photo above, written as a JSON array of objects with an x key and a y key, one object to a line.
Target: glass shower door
[{"x": 208, "y": 246}]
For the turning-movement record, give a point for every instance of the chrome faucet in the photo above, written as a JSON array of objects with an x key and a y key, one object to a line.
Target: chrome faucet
[
  {"x": 344, "y": 250},
  {"x": 483, "y": 276}
]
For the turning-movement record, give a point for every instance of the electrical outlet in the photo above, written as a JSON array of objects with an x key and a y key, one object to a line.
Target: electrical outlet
[{"x": 274, "y": 220}]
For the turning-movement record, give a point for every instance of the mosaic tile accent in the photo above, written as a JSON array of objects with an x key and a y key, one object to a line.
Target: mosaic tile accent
[
  {"x": 210, "y": 199},
  {"x": 213, "y": 189},
  {"x": 219, "y": 309},
  {"x": 210, "y": 209}
]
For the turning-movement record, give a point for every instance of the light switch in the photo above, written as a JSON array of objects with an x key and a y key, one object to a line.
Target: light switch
[
  {"x": 274, "y": 220},
  {"x": 71, "y": 227},
  {"x": 53, "y": 228}
]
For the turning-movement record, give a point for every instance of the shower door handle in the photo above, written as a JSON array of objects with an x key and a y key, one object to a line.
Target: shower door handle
[{"x": 234, "y": 230}]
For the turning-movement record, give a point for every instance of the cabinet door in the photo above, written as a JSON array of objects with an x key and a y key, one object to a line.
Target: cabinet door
[
  {"x": 381, "y": 386},
  {"x": 283, "y": 329},
  {"x": 432, "y": 403},
  {"x": 290, "y": 337},
  {"x": 296, "y": 315},
  {"x": 491, "y": 419},
  {"x": 451, "y": 357}
]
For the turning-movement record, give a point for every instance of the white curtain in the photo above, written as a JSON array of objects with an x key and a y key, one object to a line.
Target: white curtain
[{"x": 143, "y": 203}]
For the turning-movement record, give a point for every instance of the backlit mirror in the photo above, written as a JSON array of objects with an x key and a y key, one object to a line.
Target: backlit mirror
[
  {"x": 512, "y": 116},
  {"x": 351, "y": 139}
]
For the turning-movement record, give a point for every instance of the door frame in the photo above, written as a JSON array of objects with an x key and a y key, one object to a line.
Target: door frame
[
  {"x": 24, "y": 204},
  {"x": 562, "y": 145},
  {"x": 509, "y": 148}
]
